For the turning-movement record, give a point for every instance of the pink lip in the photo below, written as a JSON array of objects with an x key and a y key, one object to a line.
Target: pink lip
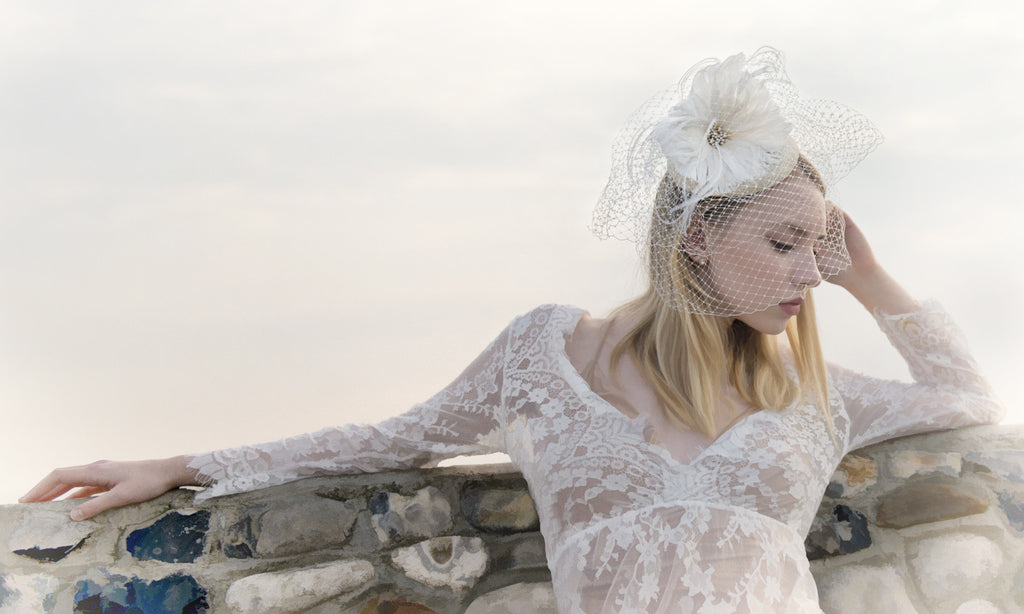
[{"x": 792, "y": 307}]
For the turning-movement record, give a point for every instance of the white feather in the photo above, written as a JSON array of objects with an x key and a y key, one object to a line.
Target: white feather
[{"x": 750, "y": 143}]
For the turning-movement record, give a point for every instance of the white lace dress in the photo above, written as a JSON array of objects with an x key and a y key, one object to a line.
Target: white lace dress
[{"x": 628, "y": 527}]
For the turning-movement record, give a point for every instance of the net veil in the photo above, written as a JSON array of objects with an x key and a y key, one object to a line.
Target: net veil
[{"x": 724, "y": 182}]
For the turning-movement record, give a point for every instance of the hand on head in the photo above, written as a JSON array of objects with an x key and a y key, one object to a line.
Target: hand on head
[
  {"x": 865, "y": 278},
  {"x": 862, "y": 258}
]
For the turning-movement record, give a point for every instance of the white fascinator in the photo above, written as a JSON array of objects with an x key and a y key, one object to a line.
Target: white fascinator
[{"x": 734, "y": 139}]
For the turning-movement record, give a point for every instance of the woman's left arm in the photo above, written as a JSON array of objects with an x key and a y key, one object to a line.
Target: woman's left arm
[{"x": 949, "y": 390}]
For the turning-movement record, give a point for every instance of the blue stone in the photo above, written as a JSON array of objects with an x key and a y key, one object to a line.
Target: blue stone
[
  {"x": 380, "y": 503},
  {"x": 177, "y": 594},
  {"x": 5, "y": 593},
  {"x": 849, "y": 521},
  {"x": 1013, "y": 507},
  {"x": 174, "y": 538},
  {"x": 846, "y": 531},
  {"x": 49, "y": 555}
]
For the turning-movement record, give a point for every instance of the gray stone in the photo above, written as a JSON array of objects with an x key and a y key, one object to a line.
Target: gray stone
[
  {"x": 928, "y": 501},
  {"x": 528, "y": 552},
  {"x": 27, "y": 593},
  {"x": 1018, "y": 588},
  {"x": 522, "y": 598},
  {"x": 903, "y": 464},
  {"x": 1005, "y": 464},
  {"x": 978, "y": 606},
  {"x": 455, "y": 562},
  {"x": 296, "y": 590},
  {"x": 239, "y": 541},
  {"x": 396, "y": 517},
  {"x": 499, "y": 510},
  {"x": 378, "y": 604},
  {"x": 855, "y": 474},
  {"x": 48, "y": 535},
  {"x": 952, "y": 565},
  {"x": 304, "y": 525},
  {"x": 861, "y": 589}
]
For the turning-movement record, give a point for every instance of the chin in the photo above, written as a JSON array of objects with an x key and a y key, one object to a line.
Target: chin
[
  {"x": 766, "y": 323},
  {"x": 772, "y": 330}
]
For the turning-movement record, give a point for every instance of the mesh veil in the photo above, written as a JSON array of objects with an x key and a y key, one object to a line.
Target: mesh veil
[{"x": 722, "y": 181}]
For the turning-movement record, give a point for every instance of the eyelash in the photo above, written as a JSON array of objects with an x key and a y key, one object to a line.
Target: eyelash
[{"x": 779, "y": 246}]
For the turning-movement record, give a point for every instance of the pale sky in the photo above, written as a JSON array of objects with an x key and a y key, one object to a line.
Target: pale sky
[{"x": 225, "y": 223}]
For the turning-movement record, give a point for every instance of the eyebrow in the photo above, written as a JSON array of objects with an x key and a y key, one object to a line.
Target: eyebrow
[{"x": 803, "y": 232}]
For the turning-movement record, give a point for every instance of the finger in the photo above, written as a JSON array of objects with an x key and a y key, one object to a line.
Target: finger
[
  {"x": 59, "y": 481},
  {"x": 96, "y": 505},
  {"x": 43, "y": 486},
  {"x": 47, "y": 489},
  {"x": 850, "y": 225}
]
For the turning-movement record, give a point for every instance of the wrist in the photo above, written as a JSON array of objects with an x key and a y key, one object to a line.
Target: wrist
[
  {"x": 860, "y": 281},
  {"x": 178, "y": 472},
  {"x": 878, "y": 291}
]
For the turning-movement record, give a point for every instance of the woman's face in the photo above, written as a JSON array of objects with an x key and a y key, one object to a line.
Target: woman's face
[{"x": 765, "y": 253}]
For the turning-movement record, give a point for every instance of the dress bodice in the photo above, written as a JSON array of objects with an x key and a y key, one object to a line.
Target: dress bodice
[{"x": 629, "y": 527}]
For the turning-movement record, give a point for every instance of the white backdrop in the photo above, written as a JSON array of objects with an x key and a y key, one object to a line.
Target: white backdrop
[{"x": 223, "y": 223}]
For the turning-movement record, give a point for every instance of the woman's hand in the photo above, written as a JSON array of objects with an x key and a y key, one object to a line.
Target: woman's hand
[
  {"x": 862, "y": 259},
  {"x": 121, "y": 483},
  {"x": 865, "y": 278}
]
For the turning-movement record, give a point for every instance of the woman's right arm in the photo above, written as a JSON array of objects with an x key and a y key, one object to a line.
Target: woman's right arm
[{"x": 461, "y": 419}]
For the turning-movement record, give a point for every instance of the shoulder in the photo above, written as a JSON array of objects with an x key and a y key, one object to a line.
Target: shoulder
[
  {"x": 549, "y": 315},
  {"x": 544, "y": 323}
]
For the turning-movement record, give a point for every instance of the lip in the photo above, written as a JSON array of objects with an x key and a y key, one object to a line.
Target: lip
[{"x": 792, "y": 307}]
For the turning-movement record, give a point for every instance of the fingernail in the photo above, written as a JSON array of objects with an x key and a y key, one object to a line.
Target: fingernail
[{"x": 76, "y": 514}]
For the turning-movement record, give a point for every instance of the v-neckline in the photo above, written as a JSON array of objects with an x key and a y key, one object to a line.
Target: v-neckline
[{"x": 583, "y": 387}]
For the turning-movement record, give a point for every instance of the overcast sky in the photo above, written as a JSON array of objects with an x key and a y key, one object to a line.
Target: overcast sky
[{"x": 228, "y": 222}]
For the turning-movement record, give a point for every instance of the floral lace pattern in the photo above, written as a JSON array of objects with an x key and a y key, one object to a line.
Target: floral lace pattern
[{"x": 627, "y": 526}]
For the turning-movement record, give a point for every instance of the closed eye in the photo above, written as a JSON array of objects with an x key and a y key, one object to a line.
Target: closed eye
[{"x": 779, "y": 246}]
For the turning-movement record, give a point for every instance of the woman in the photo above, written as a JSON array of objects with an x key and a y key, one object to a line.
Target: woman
[{"x": 676, "y": 453}]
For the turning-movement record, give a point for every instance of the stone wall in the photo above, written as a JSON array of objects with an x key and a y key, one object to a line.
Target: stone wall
[{"x": 926, "y": 524}]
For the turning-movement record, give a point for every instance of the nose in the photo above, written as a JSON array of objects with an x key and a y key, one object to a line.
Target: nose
[{"x": 805, "y": 271}]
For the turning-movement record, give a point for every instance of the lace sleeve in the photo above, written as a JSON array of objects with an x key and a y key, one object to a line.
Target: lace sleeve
[
  {"x": 461, "y": 419},
  {"x": 949, "y": 389}
]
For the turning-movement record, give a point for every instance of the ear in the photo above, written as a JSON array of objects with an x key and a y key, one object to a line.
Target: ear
[{"x": 695, "y": 241}]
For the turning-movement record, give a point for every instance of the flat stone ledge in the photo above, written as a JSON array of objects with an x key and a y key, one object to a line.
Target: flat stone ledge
[{"x": 902, "y": 515}]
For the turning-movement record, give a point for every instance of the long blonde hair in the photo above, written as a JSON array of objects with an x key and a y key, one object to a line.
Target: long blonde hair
[{"x": 689, "y": 358}]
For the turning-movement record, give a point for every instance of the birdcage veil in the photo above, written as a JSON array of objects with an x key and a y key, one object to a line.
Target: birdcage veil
[{"x": 722, "y": 181}]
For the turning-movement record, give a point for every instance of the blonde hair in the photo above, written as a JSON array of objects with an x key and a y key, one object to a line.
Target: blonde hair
[{"x": 689, "y": 357}]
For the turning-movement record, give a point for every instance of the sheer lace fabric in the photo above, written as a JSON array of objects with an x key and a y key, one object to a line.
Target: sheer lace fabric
[{"x": 629, "y": 527}]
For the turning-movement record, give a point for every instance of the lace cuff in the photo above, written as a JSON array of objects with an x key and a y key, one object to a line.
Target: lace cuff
[
  {"x": 933, "y": 345},
  {"x": 949, "y": 389}
]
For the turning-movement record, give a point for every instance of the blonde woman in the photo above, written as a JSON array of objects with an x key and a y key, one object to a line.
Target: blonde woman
[{"x": 676, "y": 449}]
